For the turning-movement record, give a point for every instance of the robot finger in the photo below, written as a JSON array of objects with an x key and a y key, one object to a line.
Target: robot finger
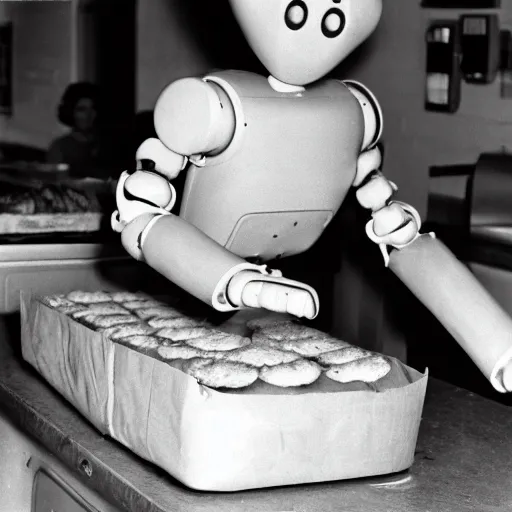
[
  {"x": 251, "y": 293},
  {"x": 401, "y": 236},
  {"x": 301, "y": 304},
  {"x": 375, "y": 194},
  {"x": 167, "y": 162},
  {"x": 130, "y": 207},
  {"x": 274, "y": 297},
  {"x": 151, "y": 187},
  {"x": 507, "y": 377},
  {"x": 368, "y": 162},
  {"x": 286, "y": 299},
  {"x": 116, "y": 223},
  {"x": 255, "y": 287},
  {"x": 389, "y": 219}
]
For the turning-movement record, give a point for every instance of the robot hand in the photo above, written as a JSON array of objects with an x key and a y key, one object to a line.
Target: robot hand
[
  {"x": 256, "y": 287},
  {"x": 146, "y": 190},
  {"x": 163, "y": 160},
  {"x": 141, "y": 193},
  {"x": 393, "y": 222}
]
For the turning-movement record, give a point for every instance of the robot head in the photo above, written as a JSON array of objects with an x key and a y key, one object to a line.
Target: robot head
[{"x": 300, "y": 41}]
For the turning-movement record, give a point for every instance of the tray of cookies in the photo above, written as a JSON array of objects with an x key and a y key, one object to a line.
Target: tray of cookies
[{"x": 254, "y": 401}]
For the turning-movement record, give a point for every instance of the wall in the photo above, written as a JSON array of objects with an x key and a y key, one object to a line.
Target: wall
[
  {"x": 42, "y": 67},
  {"x": 166, "y": 50}
]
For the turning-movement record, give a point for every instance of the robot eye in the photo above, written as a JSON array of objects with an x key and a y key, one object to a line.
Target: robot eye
[
  {"x": 296, "y": 14},
  {"x": 333, "y": 22}
]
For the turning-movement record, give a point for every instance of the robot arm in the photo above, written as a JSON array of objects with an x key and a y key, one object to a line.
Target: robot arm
[
  {"x": 427, "y": 267},
  {"x": 194, "y": 118},
  {"x": 146, "y": 190},
  {"x": 393, "y": 223},
  {"x": 187, "y": 257}
]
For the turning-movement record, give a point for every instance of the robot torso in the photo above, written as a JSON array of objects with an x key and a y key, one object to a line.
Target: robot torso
[{"x": 287, "y": 170}]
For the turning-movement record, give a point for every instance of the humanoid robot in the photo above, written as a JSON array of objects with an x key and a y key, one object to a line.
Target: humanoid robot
[{"x": 270, "y": 160}]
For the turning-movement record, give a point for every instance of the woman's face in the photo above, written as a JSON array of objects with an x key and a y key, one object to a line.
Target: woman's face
[{"x": 84, "y": 114}]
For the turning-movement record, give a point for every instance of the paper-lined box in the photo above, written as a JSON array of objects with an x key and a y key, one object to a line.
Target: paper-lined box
[{"x": 226, "y": 441}]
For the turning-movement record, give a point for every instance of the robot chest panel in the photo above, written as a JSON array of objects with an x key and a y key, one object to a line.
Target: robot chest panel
[
  {"x": 305, "y": 143},
  {"x": 285, "y": 174}
]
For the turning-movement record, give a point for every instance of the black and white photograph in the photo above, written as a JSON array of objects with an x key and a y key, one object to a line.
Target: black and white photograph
[{"x": 255, "y": 255}]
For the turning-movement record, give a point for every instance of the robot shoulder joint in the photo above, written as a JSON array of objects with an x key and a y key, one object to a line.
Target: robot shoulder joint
[{"x": 372, "y": 112}]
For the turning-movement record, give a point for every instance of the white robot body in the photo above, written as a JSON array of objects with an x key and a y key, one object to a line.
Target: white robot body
[
  {"x": 292, "y": 159},
  {"x": 272, "y": 160}
]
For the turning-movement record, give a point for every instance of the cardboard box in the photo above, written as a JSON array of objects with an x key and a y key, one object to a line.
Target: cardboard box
[{"x": 219, "y": 441}]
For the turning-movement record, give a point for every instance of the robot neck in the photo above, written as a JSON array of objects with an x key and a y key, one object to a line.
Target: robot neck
[{"x": 279, "y": 86}]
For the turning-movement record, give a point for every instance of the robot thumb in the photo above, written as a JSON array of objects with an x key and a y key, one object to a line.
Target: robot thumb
[{"x": 167, "y": 162}]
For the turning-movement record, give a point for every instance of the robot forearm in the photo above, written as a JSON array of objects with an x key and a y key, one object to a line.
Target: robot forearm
[
  {"x": 187, "y": 257},
  {"x": 180, "y": 252}
]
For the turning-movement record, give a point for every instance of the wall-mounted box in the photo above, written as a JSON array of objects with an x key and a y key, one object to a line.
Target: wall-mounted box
[
  {"x": 443, "y": 75},
  {"x": 480, "y": 46},
  {"x": 506, "y": 64}
]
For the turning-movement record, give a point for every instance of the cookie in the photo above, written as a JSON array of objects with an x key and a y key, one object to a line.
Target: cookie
[
  {"x": 57, "y": 301},
  {"x": 259, "y": 339},
  {"x": 81, "y": 297},
  {"x": 185, "y": 333},
  {"x": 312, "y": 347},
  {"x": 104, "y": 321},
  {"x": 127, "y": 296},
  {"x": 156, "y": 311},
  {"x": 70, "y": 310},
  {"x": 269, "y": 321},
  {"x": 133, "y": 305},
  {"x": 142, "y": 341},
  {"x": 103, "y": 308},
  {"x": 289, "y": 331},
  {"x": 343, "y": 355},
  {"x": 123, "y": 331},
  {"x": 178, "y": 351},
  {"x": 218, "y": 340},
  {"x": 221, "y": 374},
  {"x": 174, "y": 322},
  {"x": 367, "y": 369},
  {"x": 258, "y": 356},
  {"x": 297, "y": 373}
]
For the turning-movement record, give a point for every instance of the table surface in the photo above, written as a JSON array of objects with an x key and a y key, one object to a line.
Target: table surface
[{"x": 463, "y": 460}]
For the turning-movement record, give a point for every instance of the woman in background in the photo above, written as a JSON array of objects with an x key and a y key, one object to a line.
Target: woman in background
[{"x": 80, "y": 148}]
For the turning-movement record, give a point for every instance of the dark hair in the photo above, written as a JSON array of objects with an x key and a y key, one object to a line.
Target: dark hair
[{"x": 72, "y": 95}]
